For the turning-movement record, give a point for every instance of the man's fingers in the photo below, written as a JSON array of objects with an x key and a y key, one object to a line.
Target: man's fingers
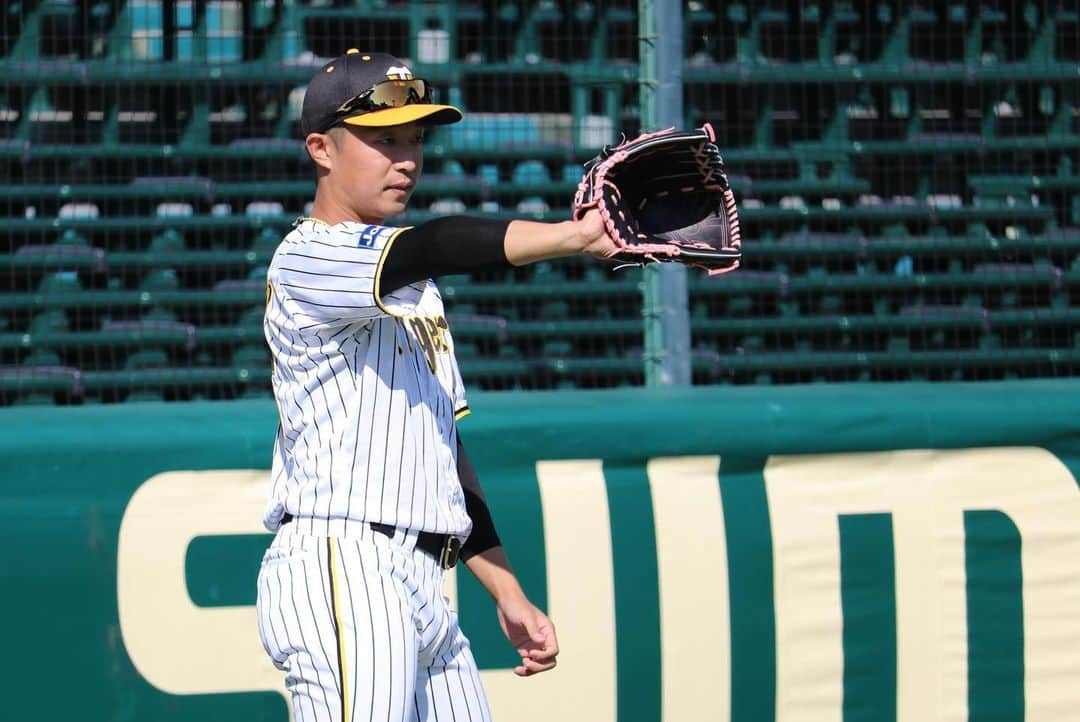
[
  {"x": 531, "y": 666},
  {"x": 551, "y": 643},
  {"x": 535, "y": 633},
  {"x": 550, "y": 649}
]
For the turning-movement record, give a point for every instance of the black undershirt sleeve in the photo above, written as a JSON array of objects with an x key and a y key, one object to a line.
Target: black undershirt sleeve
[
  {"x": 453, "y": 244},
  {"x": 483, "y": 536}
]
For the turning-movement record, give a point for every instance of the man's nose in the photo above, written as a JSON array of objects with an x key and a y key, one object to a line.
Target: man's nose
[{"x": 408, "y": 162}]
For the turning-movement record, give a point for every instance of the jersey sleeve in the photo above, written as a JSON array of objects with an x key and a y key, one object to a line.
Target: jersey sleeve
[{"x": 335, "y": 275}]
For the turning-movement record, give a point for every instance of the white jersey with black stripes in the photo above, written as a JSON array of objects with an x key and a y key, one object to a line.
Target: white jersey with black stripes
[{"x": 367, "y": 389}]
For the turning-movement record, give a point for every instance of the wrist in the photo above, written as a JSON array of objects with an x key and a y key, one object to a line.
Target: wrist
[
  {"x": 503, "y": 594},
  {"x": 503, "y": 585},
  {"x": 577, "y": 237},
  {"x": 591, "y": 234}
]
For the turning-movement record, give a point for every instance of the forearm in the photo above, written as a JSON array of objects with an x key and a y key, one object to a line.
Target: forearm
[
  {"x": 492, "y": 569},
  {"x": 483, "y": 536},
  {"x": 529, "y": 241},
  {"x": 461, "y": 244}
]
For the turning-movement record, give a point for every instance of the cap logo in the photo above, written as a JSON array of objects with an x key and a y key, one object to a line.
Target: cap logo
[{"x": 398, "y": 72}]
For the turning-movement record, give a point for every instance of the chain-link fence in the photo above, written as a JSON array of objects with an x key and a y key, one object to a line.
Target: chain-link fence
[{"x": 907, "y": 176}]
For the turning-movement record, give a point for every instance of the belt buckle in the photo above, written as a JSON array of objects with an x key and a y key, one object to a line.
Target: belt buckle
[{"x": 451, "y": 550}]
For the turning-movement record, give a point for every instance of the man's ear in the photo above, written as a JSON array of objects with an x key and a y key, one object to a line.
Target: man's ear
[{"x": 320, "y": 147}]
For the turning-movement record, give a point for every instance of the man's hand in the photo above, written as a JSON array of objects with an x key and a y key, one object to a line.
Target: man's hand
[
  {"x": 531, "y": 241},
  {"x": 527, "y": 628},
  {"x": 598, "y": 243},
  {"x": 531, "y": 633}
]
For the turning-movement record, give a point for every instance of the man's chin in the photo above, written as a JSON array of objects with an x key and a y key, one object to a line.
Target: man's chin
[{"x": 393, "y": 208}]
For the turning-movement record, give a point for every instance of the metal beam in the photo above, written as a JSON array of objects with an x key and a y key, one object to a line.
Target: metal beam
[{"x": 667, "y": 322}]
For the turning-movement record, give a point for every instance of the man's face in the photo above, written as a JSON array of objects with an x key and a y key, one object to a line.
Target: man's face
[{"x": 375, "y": 169}]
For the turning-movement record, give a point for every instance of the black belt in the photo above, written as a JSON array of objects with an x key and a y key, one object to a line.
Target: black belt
[{"x": 446, "y": 548}]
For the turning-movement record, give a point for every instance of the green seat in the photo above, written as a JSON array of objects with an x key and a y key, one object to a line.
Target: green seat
[
  {"x": 743, "y": 282},
  {"x": 160, "y": 279},
  {"x": 266, "y": 240},
  {"x": 160, "y": 314},
  {"x": 58, "y": 256},
  {"x": 1019, "y": 273},
  {"x": 530, "y": 172},
  {"x": 557, "y": 347},
  {"x": 253, "y": 317},
  {"x": 473, "y": 326},
  {"x": 150, "y": 331},
  {"x": 42, "y": 357},
  {"x": 50, "y": 321},
  {"x": 60, "y": 282},
  {"x": 554, "y": 309},
  {"x": 71, "y": 237},
  {"x": 251, "y": 356},
  {"x": 452, "y": 168},
  {"x": 147, "y": 359},
  {"x": 36, "y": 379},
  {"x": 547, "y": 272},
  {"x": 168, "y": 241}
]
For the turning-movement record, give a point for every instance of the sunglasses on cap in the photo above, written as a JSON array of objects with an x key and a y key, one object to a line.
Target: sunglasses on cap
[{"x": 387, "y": 94}]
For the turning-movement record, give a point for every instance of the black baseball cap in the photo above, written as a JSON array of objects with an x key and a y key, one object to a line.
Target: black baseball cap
[{"x": 372, "y": 90}]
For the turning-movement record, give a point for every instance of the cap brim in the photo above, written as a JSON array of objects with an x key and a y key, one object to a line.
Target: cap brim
[{"x": 425, "y": 113}]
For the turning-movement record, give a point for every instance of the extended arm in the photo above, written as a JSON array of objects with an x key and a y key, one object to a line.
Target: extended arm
[
  {"x": 527, "y": 628},
  {"x": 461, "y": 244}
]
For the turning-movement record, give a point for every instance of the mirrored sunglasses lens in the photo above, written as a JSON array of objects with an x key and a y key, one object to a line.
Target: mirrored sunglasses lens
[{"x": 395, "y": 93}]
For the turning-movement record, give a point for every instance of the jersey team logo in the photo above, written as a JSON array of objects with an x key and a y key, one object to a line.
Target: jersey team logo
[{"x": 368, "y": 236}]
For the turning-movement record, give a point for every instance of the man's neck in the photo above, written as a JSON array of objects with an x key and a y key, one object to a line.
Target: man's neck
[{"x": 332, "y": 213}]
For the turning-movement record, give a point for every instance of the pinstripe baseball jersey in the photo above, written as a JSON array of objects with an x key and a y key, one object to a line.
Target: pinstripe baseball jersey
[{"x": 367, "y": 388}]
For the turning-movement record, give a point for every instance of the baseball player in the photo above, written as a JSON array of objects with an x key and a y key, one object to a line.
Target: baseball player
[{"x": 372, "y": 496}]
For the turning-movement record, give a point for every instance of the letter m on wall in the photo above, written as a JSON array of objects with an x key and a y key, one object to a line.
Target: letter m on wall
[{"x": 926, "y": 585}]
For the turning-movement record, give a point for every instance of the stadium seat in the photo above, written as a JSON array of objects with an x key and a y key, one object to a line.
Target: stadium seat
[
  {"x": 533, "y": 206},
  {"x": 250, "y": 356},
  {"x": 59, "y": 283},
  {"x": 48, "y": 322},
  {"x": 147, "y": 359},
  {"x": 488, "y": 173},
  {"x": 447, "y": 206},
  {"x": 42, "y": 358},
  {"x": 151, "y": 331},
  {"x": 906, "y": 176},
  {"x": 530, "y": 172},
  {"x": 60, "y": 256},
  {"x": 35, "y": 379},
  {"x": 161, "y": 279}
]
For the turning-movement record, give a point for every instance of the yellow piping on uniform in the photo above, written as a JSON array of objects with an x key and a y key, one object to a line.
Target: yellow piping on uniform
[
  {"x": 334, "y": 590},
  {"x": 462, "y": 413}
]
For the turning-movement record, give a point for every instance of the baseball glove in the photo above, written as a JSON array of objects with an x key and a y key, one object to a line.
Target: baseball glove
[{"x": 664, "y": 197}]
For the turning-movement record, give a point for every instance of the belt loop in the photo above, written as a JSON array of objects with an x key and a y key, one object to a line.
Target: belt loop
[{"x": 410, "y": 539}]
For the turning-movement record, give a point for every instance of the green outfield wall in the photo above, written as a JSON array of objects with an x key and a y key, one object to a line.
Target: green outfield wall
[{"x": 856, "y": 553}]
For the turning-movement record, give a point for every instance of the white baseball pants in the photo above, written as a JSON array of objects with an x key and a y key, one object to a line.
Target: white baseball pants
[{"x": 362, "y": 630}]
